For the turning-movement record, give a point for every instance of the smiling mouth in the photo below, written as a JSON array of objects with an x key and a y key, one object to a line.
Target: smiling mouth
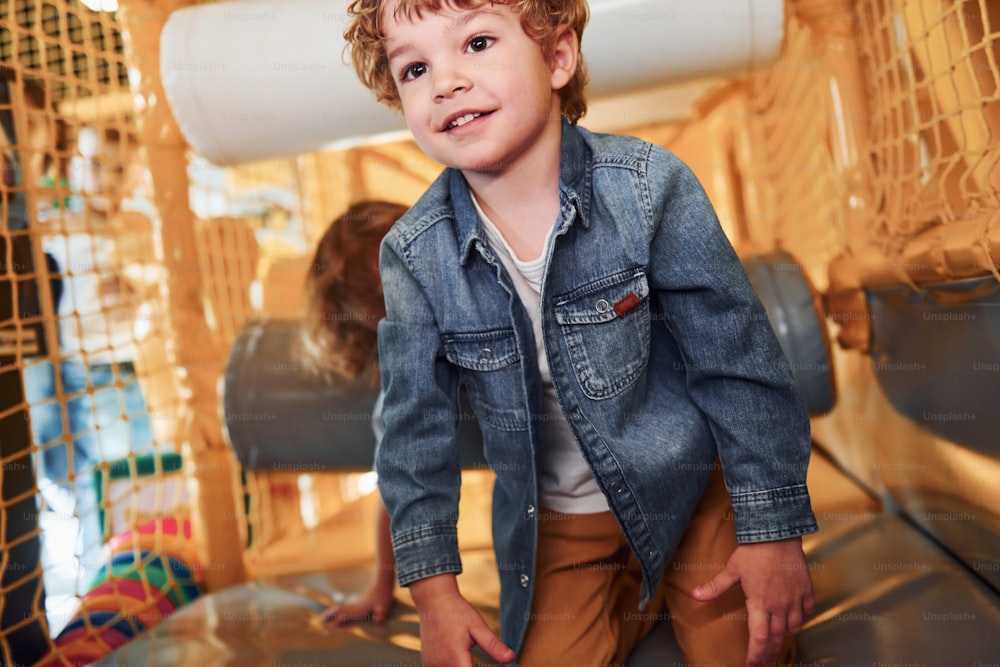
[{"x": 467, "y": 118}]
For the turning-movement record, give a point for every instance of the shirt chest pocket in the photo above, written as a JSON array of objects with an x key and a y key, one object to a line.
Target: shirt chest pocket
[
  {"x": 490, "y": 369},
  {"x": 606, "y": 328}
]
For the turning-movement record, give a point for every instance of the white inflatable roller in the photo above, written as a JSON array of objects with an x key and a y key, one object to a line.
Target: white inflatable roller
[
  {"x": 258, "y": 79},
  {"x": 635, "y": 44}
]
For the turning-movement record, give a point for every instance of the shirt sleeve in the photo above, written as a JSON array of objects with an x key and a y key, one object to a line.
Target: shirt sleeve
[
  {"x": 735, "y": 370},
  {"x": 417, "y": 458}
]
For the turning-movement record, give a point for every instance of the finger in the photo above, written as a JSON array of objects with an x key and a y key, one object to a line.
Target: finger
[
  {"x": 808, "y": 604},
  {"x": 347, "y": 613},
  {"x": 718, "y": 585},
  {"x": 776, "y": 637},
  {"x": 330, "y": 615},
  {"x": 489, "y": 642},
  {"x": 336, "y": 620},
  {"x": 757, "y": 624},
  {"x": 794, "y": 620},
  {"x": 381, "y": 613},
  {"x": 462, "y": 658}
]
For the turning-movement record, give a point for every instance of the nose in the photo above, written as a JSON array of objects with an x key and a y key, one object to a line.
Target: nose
[{"x": 450, "y": 79}]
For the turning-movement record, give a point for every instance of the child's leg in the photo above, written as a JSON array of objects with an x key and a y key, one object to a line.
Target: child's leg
[
  {"x": 585, "y": 605},
  {"x": 713, "y": 633}
]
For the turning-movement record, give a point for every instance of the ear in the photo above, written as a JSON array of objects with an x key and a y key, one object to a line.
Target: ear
[{"x": 565, "y": 57}]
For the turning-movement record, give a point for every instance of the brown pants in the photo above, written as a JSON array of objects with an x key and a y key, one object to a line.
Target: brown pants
[{"x": 585, "y": 607}]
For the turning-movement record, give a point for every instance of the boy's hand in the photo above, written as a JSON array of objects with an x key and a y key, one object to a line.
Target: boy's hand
[
  {"x": 778, "y": 589},
  {"x": 374, "y": 604},
  {"x": 450, "y": 626}
]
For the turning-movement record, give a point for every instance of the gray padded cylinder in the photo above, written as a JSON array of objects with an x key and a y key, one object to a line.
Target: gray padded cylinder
[
  {"x": 789, "y": 300},
  {"x": 280, "y": 415}
]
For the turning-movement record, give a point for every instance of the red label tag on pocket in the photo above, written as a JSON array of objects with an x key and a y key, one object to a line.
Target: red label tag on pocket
[{"x": 626, "y": 304}]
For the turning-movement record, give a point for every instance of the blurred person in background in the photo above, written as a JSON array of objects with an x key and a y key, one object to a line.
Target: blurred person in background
[
  {"x": 344, "y": 305},
  {"x": 106, "y": 249},
  {"x": 61, "y": 408}
]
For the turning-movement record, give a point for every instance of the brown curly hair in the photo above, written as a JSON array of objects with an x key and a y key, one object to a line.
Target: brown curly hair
[
  {"x": 344, "y": 291},
  {"x": 540, "y": 19}
]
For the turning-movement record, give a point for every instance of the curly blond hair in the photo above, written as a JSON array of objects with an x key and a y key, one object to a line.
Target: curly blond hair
[
  {"x": 540, "y": 19},
  {"x": 345, "y": 291}
]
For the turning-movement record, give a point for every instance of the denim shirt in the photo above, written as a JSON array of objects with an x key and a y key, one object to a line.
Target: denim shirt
[{"x": 662, "y": 357}]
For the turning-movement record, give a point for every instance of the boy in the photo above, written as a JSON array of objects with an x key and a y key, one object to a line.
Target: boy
[{"x": 581, "y": 289}]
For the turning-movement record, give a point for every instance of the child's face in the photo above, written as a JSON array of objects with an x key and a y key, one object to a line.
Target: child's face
[{"x": 477, "y": 92}]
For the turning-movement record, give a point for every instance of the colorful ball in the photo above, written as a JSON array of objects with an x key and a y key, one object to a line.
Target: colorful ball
[
  {"x": 162, "y": 572},
  {"x": 184, "y": 585},
  {"x": 149, "y": 573},
  {"x": 168, "y": 536},
  {"x": 109, "y": 597},
  {"x": 125, "y": 566},
  {"x": 136, "y": 590},
  {"x": 101, "y": 624},
  {"x": 169, "y": 525},
  {"x": 70, "y": 636}
]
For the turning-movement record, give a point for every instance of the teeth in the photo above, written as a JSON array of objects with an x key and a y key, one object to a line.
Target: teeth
[{"x": 462, "y": 120}]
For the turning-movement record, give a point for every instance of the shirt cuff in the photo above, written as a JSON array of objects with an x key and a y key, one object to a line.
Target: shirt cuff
[
  {"x": 775, "y": 514},
  {"x": 426, "y": 552}
]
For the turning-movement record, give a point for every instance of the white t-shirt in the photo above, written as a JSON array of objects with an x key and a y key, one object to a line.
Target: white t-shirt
[{"x": 566, "y": 482}]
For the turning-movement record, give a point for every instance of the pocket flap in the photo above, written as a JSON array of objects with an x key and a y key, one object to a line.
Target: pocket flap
[
  {"x": 482, "y": 351},
  {"x": 603, "y": 300}
]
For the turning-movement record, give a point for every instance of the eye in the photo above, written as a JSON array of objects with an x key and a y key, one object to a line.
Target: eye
[
  {"x": 479, "y": 43},
  {"x": 413, "y": 71}
]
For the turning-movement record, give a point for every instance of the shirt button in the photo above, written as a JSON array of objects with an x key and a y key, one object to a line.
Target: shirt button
[
  {"x": 602, "y": 306},
  {"x": 616, "y": 487},
  {"x": 524, "y": 581},
  {"x": 485, "y": 354},
  {"x": 531, "y": 510}
]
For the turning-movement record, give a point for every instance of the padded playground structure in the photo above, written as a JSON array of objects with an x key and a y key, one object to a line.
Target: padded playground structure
[{"x": 178, "y": 486}]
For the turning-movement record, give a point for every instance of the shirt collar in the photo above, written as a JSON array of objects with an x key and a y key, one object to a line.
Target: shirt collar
[{"x": 574, "y": 167}]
